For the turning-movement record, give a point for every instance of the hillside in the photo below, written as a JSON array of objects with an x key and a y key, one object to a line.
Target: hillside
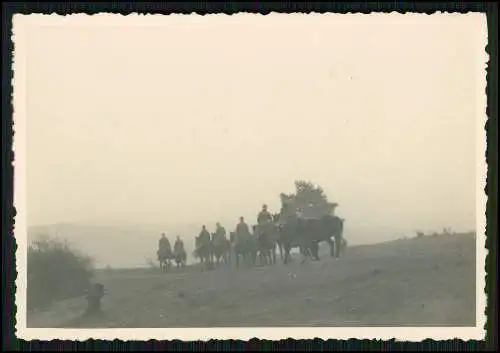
[{"x": 427, "y": 281}]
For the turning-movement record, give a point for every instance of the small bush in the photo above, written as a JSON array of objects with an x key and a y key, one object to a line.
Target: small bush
[
  {"x": 151, "y": 264},
  {"x": 55, "y": 271}
]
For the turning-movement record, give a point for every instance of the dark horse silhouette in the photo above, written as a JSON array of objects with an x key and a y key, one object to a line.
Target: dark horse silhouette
[
  {"x": 243, "y": 248},
  {"x": 165, "y": 257},
  {"x": 203, "y": 251},
  {"x": 307, "y": 234},
  {"x": 180, "y": 255},
  {"x": 267, "y": 240},
  {"x": 221, "y": 248}
]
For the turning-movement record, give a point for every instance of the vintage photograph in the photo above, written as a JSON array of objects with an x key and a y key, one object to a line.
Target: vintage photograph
[{"x": 239, "y": 176}]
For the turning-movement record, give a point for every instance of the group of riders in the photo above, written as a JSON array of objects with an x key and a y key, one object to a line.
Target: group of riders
[
  {"x": 165, "y": 253},
  {"x": 214, "y": 248}
]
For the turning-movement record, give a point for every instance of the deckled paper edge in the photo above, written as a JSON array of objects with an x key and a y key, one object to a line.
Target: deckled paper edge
[{"x": 21, "y": 24}]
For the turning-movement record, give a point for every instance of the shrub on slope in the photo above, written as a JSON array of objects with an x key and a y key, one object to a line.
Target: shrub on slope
[{"x": 55, "y": 271}]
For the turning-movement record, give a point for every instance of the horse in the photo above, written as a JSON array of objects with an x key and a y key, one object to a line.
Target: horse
[
  {"x": 307, "y": 234},
  {"x": 180, "y": 257},
  {"x": 244, "y": 247},
  {"x": 266, "y": 241},
  {"x": 276, "y": 234},
  {"x": 203, "y": 251},
  {"x": 221, "y": 247},
  {"x": 324, "y": 229},
  {"x": 164, "y": 258},
  {"x": 291, "y": 237}
]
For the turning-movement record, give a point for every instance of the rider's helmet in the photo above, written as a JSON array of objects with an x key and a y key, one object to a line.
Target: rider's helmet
[{"x": 264, "y": 207}]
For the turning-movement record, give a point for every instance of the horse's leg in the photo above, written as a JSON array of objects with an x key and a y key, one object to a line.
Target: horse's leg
[
  {"x": 286, "y": 254},
  {"x": 304, "y": 249},
  {"x": 330, "y": 243},
  {"x": 338, "y": 245},
  {"x": 315, "y": 251}
]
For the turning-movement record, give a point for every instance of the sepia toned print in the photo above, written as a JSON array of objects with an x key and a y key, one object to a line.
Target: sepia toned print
[{"x": 289, "y": 175}]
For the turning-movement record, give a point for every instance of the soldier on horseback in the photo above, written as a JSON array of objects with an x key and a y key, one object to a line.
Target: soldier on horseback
[
  {"x": 203, "y": 247},
  {"x": 178, "y": 245},
  {"x": 245, "y": 244},
  {"x": 221, "y": 246},
  {"x": 220, "y": 234},
  {"x": 179, "y": 252},
  {"x": 204, "y": 237},
  {"x": 164, "y": 252},
  {"x": 264, "y": 216},
  {"x": 163, "y": 243},
  {"x": 267, "y": 237},
  {"x": 242, "y": 230}
]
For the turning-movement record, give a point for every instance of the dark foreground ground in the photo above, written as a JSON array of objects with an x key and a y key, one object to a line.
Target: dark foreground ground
[{"x": 427, "y": 281}]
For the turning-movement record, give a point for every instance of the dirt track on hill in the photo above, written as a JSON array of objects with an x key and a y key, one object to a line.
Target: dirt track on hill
[{"x": 428, "y": 281}]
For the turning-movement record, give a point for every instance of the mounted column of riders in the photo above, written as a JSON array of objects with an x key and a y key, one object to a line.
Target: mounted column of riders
[{"x": 283, "y": 231}]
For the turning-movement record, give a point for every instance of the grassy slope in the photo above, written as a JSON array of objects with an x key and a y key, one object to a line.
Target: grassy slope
[{"x": 417, "y": 282}]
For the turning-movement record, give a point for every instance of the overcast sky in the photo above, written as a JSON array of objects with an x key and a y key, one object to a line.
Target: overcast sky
[{"x": 198, "y": 119}]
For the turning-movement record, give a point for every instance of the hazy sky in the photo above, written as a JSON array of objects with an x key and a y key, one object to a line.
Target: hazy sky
[{"x": 199, "y": 119}]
